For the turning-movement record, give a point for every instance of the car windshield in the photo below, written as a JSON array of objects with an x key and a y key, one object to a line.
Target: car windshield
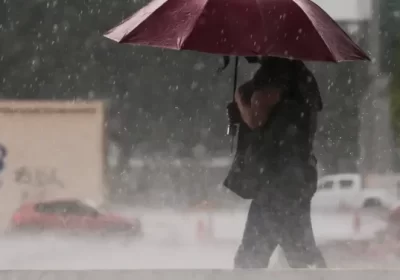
[{"x": 99, "y": 209}]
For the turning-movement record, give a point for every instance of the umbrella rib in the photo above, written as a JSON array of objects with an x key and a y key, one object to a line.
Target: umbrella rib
[
  {"x": 183, "y": 41},
  {"x": 127, "y": 32},
  {"x": 321, "y": 36}
]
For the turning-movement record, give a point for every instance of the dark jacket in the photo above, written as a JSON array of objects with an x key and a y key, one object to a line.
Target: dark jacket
[
  {"x": 284, "y": 152},
  {"x": 278, "y": 158}
]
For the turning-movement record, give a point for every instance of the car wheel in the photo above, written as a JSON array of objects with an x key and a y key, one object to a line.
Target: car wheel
[
  {"x": 26, "y": 229},
  {"x": 372, "y": 203}
]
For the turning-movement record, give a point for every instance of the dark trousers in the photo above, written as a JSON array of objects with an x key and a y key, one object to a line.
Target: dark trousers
[{"x": 284, "y": 222}]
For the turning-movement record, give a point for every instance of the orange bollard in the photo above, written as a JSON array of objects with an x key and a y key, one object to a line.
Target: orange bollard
[
  {"x": 356, "y": 222},
  {"x": 201, "y": 230},
  {"x": 204, "y": 225}
]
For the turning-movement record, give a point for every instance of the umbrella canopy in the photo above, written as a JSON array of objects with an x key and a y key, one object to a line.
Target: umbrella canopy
[{"x": 297, "y": 29}]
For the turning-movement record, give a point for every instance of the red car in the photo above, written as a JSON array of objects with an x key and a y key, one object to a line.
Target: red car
[{"x": 70, "y": 216}]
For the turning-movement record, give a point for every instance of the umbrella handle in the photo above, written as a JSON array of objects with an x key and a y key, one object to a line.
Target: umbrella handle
[
  {"x": 233, "y": 127},
  {"x": 235, "y": 77}
]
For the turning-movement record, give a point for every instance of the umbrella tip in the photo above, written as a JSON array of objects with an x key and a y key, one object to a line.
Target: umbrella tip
[{"x": 366, "y": 56}]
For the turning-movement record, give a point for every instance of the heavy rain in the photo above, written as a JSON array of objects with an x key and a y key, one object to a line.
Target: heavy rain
[{"x": 114, "y": 150}]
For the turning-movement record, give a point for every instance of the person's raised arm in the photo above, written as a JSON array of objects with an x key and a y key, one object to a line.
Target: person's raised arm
[{"x": 255, "y": 113}]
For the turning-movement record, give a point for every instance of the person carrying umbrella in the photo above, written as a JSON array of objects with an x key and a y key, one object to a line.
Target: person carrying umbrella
[
  {"x": 277, "y": 109},
  {"x": 279, "y": 106}
]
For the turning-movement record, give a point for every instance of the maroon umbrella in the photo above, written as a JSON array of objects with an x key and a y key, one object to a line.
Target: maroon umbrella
[{"x": 297, "y": 29}]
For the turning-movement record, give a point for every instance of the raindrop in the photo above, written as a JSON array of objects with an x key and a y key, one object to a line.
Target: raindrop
[
  {"x": 199, "y": 66},
  {"x": 194, "y": 85},
  {"x": 91, "y": 94}
]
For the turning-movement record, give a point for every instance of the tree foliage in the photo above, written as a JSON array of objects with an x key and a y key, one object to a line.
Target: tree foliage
[
  {"x": 390, "y": 35},
  {"x": 390, "y": 20},
  {"x": 395, "y": 97}
]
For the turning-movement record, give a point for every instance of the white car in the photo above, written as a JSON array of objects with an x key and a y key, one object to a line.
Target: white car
[{"x": 347, "y": 191}]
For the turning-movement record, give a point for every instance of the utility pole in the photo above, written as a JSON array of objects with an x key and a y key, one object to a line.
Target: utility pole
[
  {"x": 376, "y": 141},
  {"x": 374, "y": 70},
  {"x": 375, "y": 38},
  {"x": 366, "y": 111}
]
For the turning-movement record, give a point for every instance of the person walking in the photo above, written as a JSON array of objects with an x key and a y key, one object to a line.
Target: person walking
[{"x": 275, "y": 166}]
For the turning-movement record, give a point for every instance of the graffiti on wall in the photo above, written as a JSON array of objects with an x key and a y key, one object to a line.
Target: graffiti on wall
[
  {"x": 3, "y": 155},
  {"x": 38, "y": 177}
]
